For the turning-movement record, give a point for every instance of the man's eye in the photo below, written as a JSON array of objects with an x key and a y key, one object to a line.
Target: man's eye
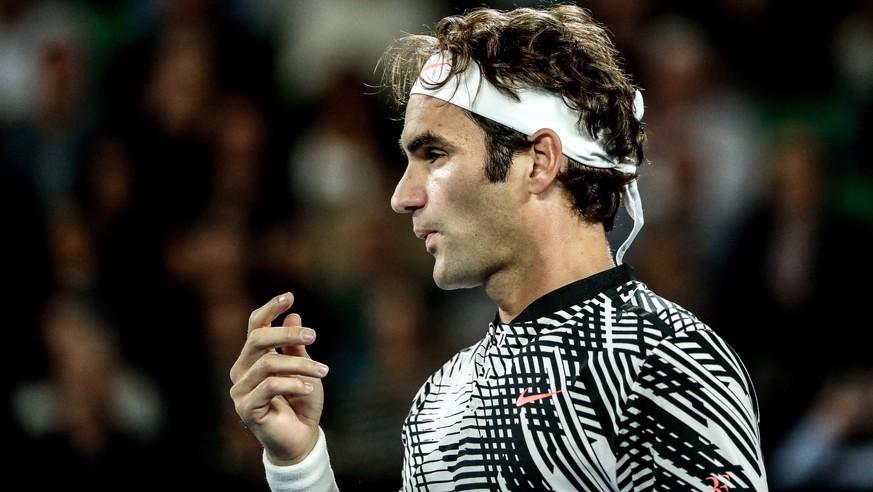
[{"x": 433, "y": 156}]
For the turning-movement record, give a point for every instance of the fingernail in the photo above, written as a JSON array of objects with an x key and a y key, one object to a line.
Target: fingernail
[
  {"x": 282, "y": 298},
  {"x": 307, "y": 334},
  {"x": 307, "y": 386},
  {"x": 321, "y": 369}
]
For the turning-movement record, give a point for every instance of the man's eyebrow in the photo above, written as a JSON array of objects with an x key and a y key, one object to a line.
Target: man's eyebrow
[{"x": 426, "y": 139}]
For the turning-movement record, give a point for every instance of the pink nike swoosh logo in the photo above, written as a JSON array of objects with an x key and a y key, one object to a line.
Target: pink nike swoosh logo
[{"x": 524, "y": 398}]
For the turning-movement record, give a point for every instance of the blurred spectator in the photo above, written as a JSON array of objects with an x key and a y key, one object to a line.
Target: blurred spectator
[
  {"x": 338, "y": 160},
  {"x": 45, "y": 136},
  {"x": 853, "y": 51},
  {"x": 171, "y": 133},
  {"x": 706, "y": 153},
  {"x": 625, "y": 21},
  {"x": 62, "y": 124},
  {"x": 852, "y": 123},
  {"x": 241, "y": 153},
  {"x": 317, "y": 40},
  {"x": 239, "y": 57},
  {"x": 27, "y": 27},
  {"x": 72, "y": 254},
  {"x": 98, "y": 418},
  {"x": 830, "y": 448},
  {"x": 164, "y": 87},
  {"x": 106, "y": 196},
  {"x": 786, "y": 280}
]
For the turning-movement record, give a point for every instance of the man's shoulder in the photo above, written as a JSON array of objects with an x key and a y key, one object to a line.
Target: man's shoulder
[
  {"x": 626, "y": 316},
  {"x": 635, "y": 299}
]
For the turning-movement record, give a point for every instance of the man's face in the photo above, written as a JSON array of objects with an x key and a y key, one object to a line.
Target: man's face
[{"x": 469, "y": 224}]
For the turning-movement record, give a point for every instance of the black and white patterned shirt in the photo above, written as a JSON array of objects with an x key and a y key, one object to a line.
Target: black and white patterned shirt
[{"x": 598, "y": 386}]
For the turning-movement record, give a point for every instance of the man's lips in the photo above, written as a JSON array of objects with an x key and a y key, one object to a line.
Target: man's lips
[{"x": 425, "y": 235}]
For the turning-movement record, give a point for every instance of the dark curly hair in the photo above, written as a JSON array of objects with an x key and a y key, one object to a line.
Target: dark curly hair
[{"x": 561, "y": 49}]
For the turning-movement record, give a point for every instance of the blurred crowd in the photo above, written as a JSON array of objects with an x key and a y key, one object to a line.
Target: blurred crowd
[{"x": 166, "y": 166}]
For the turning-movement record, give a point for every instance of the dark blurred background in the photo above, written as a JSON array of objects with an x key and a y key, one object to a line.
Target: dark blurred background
[{"x": 168, "y": 166}]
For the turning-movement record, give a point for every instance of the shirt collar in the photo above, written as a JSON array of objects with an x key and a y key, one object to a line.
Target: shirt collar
[{"x": 573, "y": 294}]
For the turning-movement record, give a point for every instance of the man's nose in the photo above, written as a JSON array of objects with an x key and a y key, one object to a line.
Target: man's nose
[{"x": 408, "y": 195}]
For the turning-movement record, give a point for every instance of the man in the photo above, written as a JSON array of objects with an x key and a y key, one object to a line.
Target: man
[{"x": 523, "y": 137}]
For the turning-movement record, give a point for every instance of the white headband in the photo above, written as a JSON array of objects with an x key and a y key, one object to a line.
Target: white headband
[{"x": 534, "y": 110}]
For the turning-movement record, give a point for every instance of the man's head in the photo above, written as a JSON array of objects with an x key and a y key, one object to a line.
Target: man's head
[
  {"x": 495, "y": 103},
  {"x": 562, "y": 50}
]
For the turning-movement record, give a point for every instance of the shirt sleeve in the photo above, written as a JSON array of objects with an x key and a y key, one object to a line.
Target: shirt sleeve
[
  {"x": 313, "y": 474},
  {"x": 694, "y": 394}
]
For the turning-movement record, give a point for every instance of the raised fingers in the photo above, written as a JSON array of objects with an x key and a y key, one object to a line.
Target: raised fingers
[
  {"x": 273, "y": 375},
  {"x": 307, "y": 336},
  {"x": 262, "y": 336},
  {"x": 265, "y": 340},
  {"x": 266, "y": 314},
  {"x": 287, "y": 367}
]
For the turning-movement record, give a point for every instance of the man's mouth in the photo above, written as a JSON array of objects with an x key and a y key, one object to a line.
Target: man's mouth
[{"x": 426, "y": 235}]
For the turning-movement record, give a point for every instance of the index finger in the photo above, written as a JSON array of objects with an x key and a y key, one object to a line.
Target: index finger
[{"x": 266, "y": 314}]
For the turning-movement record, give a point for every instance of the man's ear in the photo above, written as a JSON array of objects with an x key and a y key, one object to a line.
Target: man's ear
[{"x": 548, "y": 159}]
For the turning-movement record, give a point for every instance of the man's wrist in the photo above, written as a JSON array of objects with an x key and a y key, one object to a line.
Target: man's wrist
[
  {"x": 277, "y": 461},
  {"x": 312, "y": 473}
]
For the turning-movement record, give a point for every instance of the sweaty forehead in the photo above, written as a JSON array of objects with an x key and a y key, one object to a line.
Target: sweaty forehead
[{"x": 432, "y": 116}]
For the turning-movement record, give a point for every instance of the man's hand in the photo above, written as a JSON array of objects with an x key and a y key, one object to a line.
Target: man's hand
[{"x": 279, "y": 397}]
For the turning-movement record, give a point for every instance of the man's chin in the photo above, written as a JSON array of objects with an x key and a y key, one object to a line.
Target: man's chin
[{"x": 447, "y": 282}]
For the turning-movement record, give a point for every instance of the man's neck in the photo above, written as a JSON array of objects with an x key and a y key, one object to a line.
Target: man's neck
[{"x": 564, "y": 256}]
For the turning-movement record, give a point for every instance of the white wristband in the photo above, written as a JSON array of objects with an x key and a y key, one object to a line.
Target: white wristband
[{"x": 313, "y": 474}]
